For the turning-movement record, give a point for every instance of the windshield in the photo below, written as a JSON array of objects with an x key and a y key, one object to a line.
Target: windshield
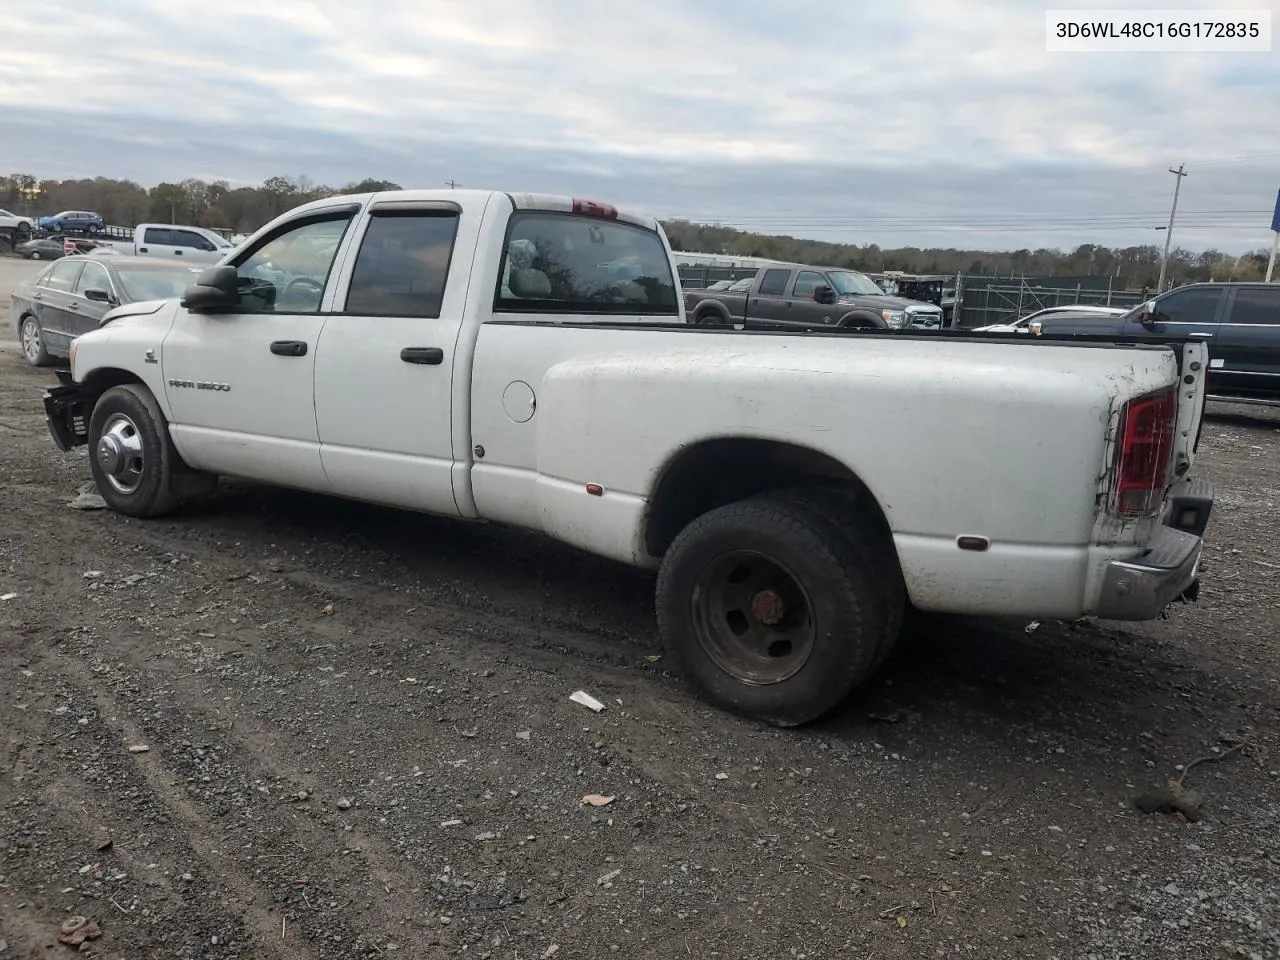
[
  {"x": 149, "y": 283},
  {"x": 846, "y": 283}
]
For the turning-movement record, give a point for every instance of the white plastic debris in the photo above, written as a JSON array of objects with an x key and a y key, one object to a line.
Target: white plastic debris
[
  {"x": 587, "y": 700},
  {"x": 1033, "y": 626},
  {"x": 9, "y": 596}
]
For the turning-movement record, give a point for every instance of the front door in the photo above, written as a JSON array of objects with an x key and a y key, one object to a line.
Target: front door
[
  {"x": 1247, "y": 354},
  {"x": 84, "y": 314},
  {"x": 241, "y": 385},
  {"x": 385, "y": 364}
]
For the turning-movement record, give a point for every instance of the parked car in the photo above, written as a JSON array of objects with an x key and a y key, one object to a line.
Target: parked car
[
  {"x": 51, "y": 248},
  {"x": 73, "y": 221},
  {"x": 70, "y": 298},
  {"x": 461, "y": 352},
  {"x": 1030, "y": 321},
  {"x": 799, "y": 295},
  {"x": 15, "y": 227},
  {"x": 192, "y": 244},
  {"x": 1240, "y": 323}
]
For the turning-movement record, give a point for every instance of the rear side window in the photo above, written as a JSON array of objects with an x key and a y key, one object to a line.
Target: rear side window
[
  {"x": 63, "y": 276},
  {"x": 568, "y": 263},
  {"x": 403, "y": 264},
  {"x": 774, "y": 283},
  {"x": 1257, "y": 305},
  {"x": 159, "y": 236}
]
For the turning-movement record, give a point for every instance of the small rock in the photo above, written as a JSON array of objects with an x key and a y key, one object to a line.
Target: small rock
[
  {"x": 523, "y": 734},
  {"x": 344, "y": 803},
  {"x": 451, "y": 823},
  {"x": 139, "y": 748},
  {"x": 722, "y": 776},
  {"x": 1172, "y": 889},
  {"x": 487, "y": 835}
]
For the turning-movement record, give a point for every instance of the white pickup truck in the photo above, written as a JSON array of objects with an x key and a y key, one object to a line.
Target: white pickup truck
[{"x": 525, "y": 359}]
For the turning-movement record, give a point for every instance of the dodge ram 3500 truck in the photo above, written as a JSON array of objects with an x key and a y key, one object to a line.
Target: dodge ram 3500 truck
[{"x": 525, "y": 359}]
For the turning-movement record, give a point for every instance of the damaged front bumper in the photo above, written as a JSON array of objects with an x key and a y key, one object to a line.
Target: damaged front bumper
[
  {"x": 66, "y": 412},
  {"x": 1141, "y": 587}
]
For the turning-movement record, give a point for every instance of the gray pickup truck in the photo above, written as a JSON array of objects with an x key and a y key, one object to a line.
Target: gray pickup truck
[{"x": 800, "y": 295}]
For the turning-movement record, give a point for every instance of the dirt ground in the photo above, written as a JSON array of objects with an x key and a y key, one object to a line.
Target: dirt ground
[{"x": 359, "y": 742}]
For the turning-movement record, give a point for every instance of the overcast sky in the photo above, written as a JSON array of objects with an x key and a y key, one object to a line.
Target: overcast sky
[{"x": 918, "y": 122}]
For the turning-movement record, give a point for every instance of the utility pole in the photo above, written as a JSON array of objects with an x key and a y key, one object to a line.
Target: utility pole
[
  {"x": 1173, "y": 212},
  {"x": 452, "y": 184}
]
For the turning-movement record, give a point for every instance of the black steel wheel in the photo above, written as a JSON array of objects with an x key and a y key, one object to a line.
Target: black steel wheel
[{"x": 768, "y": 610}]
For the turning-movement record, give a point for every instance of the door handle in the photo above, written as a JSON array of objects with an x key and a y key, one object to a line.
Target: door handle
[
  {"x": 429, "y": 355},
  {"x": 1204, "y": 335},
  {"x": 142, "y": 249},
  {"x": 289, "y": 348}
]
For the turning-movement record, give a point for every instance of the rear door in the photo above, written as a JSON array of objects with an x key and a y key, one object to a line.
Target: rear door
[
  {"x": 54, "y": 297},
  {"x": 769, "y": 302},
  {"x": 154, "y": 242},
  {"x": 385, "y": 360},
  {"x": 1246, "y": 355}
]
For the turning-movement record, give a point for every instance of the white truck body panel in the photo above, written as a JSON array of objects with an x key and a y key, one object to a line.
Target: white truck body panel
[{"x": 1012, "y": 442}]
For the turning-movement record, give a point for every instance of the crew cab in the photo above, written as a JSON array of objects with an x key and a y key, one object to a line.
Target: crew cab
[
  {"x": 526, "y": 360},
  {"x": 795, "y": 294},
  {"x": 1239, "y": 322}
]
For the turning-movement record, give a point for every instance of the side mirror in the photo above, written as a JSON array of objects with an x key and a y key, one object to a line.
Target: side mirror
[
  {"x": 824, "y": 294},
  {"x": 1147, "y": 318},
  {"x": 217, "y": 288},
  {"x": 97, "y": 295}
]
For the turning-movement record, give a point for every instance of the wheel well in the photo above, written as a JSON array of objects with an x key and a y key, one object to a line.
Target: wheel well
[
  {"x": 859, "y": 320},
  {"x": 716, "y": 472},
  {"x": 100, "y": 381},
  {"x": 711, "y": 306}
]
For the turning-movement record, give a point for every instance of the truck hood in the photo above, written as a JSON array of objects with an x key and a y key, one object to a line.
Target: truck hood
[
  {"x": 142, "y": 308},
  {"x": 885, "y": 302}
]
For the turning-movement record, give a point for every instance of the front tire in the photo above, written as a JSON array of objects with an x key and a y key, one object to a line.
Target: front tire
[
  {"x": 31, "y": 337},
  {"x": 769, "y": 611},
  {"x": 131, "y": 456}
]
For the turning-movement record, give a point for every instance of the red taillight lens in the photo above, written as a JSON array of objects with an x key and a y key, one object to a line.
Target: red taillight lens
[
  {"x": 591, "y": 208},
  {"x": 1142, "y": 453}
]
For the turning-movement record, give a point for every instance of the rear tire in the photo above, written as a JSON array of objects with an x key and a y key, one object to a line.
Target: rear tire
[
  {"x": 769, "y": 611},
  {"x": 130, "y": 454},
  {"x": 31, "y": 339}
]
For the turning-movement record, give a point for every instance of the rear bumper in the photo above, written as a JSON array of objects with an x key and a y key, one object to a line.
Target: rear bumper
[
  {"x": 1141, "y": 587},
  {"x": 66, "y": 412}
]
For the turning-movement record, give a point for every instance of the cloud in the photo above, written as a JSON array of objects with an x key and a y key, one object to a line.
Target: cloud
[{"x": 922, "y": 123}]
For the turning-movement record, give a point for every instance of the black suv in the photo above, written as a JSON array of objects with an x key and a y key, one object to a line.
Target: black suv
[{"x": 1239, "y": 321}]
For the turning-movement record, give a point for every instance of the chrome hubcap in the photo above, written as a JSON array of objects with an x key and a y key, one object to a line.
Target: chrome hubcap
[
  {"x": 31, "y": 340},
  {"x": 119, "y": 453}
]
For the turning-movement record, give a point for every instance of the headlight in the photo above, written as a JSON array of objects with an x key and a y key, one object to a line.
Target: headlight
[{"x": 896, "y": 319}]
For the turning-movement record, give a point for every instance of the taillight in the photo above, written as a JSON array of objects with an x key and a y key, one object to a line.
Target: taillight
[{"x": 1142, "y": 453}]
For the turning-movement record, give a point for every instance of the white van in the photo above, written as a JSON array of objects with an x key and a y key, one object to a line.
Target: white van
[{"x": 194, "y": 244}]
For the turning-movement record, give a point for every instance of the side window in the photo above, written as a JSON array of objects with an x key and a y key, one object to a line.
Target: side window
[
  {"x": 402, "y": 265},
  {"x": 191, "y": 240},
  {"x": 807, "y": 282},
  {"x": 570, "y": 263},
  {"x": 1190, "y": 306},
  {"x": 158, "y": 235},
  {"x": 288, "y": 273},
  {"x": 774, "y": 283},
  {"x": 94, "y": 276},
  {"x": 1257, "y": 305},
  {"x": 63, "y": 275}
]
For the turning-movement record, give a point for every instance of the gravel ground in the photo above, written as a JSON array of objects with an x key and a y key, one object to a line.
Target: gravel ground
[{"x": 281, "y": 726}]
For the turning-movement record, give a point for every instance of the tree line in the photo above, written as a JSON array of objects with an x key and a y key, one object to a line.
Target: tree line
[{"x": 244, "y": 209}]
